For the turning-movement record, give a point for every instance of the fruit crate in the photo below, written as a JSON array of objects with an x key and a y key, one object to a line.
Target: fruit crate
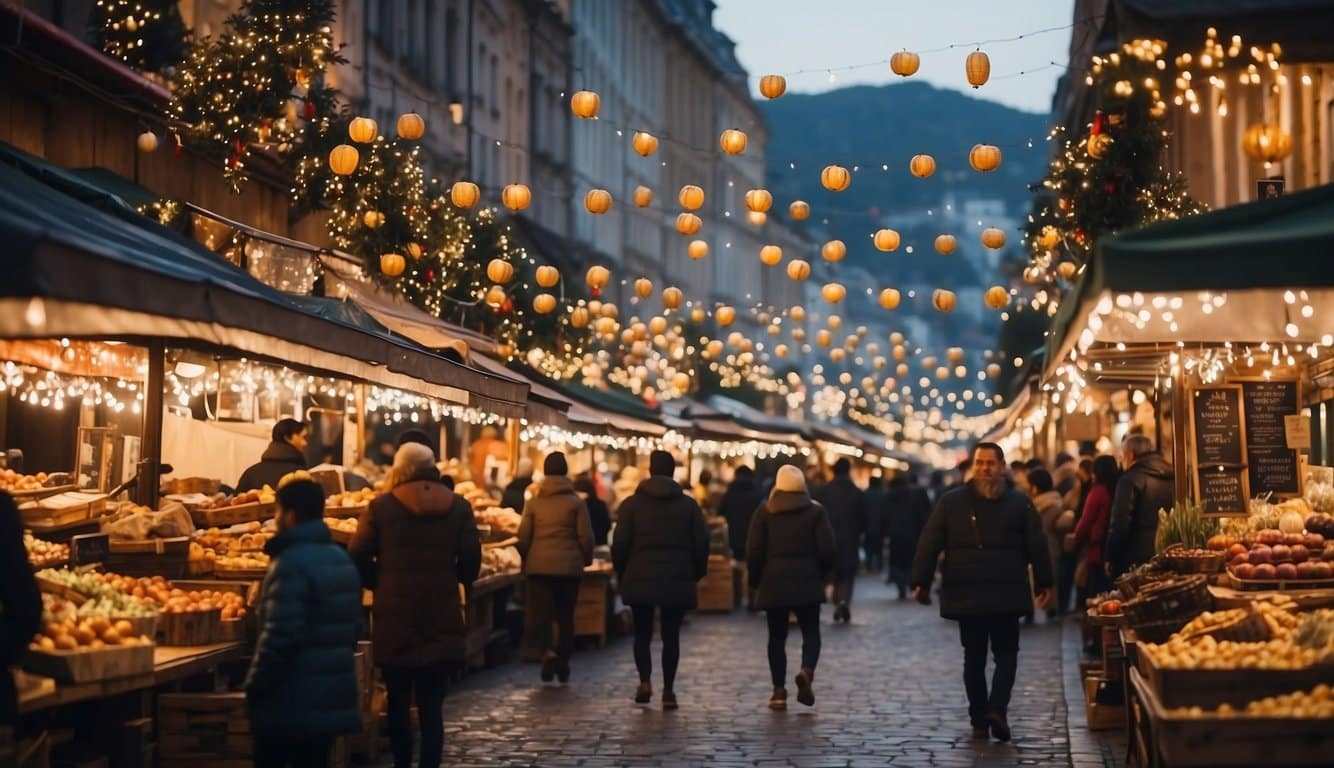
[
  {"x": 1279, "y": 584},
  {"x": 54, "y": 512},
  {"x": 1237, "y": 687},
  {"x": 193, "y": 727},
  {"x": 190, "y": 628},
  {"x": 150, "y": 557},
  {"x": 1212, "y": 741},
  {"x": 223, "y": 517},
  {"x": 88, "y": 666}
]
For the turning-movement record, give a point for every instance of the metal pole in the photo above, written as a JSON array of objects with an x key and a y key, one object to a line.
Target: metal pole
[{"x": 1179, "y": 432}]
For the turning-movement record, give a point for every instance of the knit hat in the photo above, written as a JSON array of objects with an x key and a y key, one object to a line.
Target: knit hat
[
  {"x": 555, "y": 465},
  {"x": 661, "y": 463},
  {"x": 790, "y": 479}
]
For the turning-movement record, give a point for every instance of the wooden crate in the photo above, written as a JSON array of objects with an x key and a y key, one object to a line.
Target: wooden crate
[
  {"x": 344, "y": 512},
  {"x": 591, "y": 609},
  {"x": 150, "y": 557},
  {"x": 1211, "y": 687},
  {"x": 193, "y": 727},
  {"x": 223, "y": 517},
  {"x": 183, "y": 486},
  {"x": 39, "y": 518},
  {"x": 716, "y": 592},
  {"x": 90, "y": 666},
  {"x": 239, "y": 574},
  {"x": 1101, "y": 717},
  {"x": 1251, "y": 585},
  {"x": 190, "y": 628}
]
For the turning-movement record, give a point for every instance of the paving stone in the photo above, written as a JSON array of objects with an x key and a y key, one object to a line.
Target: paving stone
[{"x": 889, "y": 692}]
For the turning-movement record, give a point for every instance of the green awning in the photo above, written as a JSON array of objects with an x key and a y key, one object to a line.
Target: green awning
[{"x": 1241, "y": 261}]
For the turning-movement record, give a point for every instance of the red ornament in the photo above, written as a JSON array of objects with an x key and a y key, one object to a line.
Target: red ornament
[
  {"x": 180, "y": 147},
  {"x": 594, "y": 291},
  {"x": 310, "y": 109},
  {"x": 506, "y": 307},
  {"x": 1099, "y": 120},
  {"x": 430, "y": 275}
]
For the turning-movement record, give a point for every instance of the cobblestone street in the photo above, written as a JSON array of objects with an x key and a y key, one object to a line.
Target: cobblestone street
[{"x": 888, "y": 693}]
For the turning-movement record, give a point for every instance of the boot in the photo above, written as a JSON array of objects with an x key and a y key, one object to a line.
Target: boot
[
  {"x": 804, "y": 693},
  {"x": 1000, "y": 726},
  {"x": 669, "y": 699},
  {"x": 778, "y": 700},
  {"x": 549, "y": 666}
]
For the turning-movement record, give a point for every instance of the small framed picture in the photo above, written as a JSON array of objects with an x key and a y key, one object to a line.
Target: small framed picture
[{"x": 1268, "y": 189}]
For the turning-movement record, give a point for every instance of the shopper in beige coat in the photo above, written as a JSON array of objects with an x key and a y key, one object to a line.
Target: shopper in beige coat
[{"x": 556, "y": 542}]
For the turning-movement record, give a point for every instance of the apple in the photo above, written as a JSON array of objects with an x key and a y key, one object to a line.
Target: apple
[
  {"x": 1306, "y": 570},
  {"x": 1328, "y": 554},
  {"x": 1286, "y": 571},
  {"x": 1265, "y": 571},
  {"x": 1314, "y": 541},
  {"x": 1300, "y": 553},
  {"x": 1244, "y": 557},
  {"x": 1280, "y": 553},
  {"x": 1320, "y": 570},
  {"x": 1261, "y": 554},
  {"x": 1270, "y": 536},
  {"x": 1294, "y": 538},
  {"x": 1238, "y": 549},
  {"x": 1244, "y": 571}
]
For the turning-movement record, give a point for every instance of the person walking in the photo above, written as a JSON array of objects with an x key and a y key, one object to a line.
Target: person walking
[
  {"x": 906, "y": 512},
  {"x": 847, "y": 513},
  {"x": 598, "y": 514},
  {"x": 990, "y": 536},
  {"x": 1147, "y": 485},
  {"x": 660, "y": 552},
  {"x": 301, "y": 690},
  {"x": 286, "y": 453},
  {"x": 874, "y": 541},
  {"x": 790, "y": 553},
  {"x": 556, "y": 543},
  {"x": 20, "y": 611},
  {"x": 739, "y": 503},
  {"x": 1057, "y": 521},
  {"x": 414, "y": 546}
]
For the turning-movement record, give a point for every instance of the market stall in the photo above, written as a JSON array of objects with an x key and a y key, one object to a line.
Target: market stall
[{"x": 1219, "y": 652}]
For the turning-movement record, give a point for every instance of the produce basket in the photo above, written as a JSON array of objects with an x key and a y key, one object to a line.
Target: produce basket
[
  {"x": 1179, "y": 560},
  {"x": 1184, "y": 596},
  {"x": 1251, "y": 629},
  {"x": 1131, "y": 583},
  {"x": 1158, "y": 630}
]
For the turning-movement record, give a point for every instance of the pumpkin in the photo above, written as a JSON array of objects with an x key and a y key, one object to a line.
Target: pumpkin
[
  {"x": 691, "y": 197},
  {"x": 464, "y": 194},
  {"x": 732, "y": 141},
  {"x": 598, "y": 276},
  {"x": 835, "y": 178},
  {"x": 834, "y": 251},
  {"x": 411, "y": 126},
  {"x": 147, "y": 142},
  {"x": 585, "y": 104},
  {"x": 993, "y": 238},
  {"x": 996, "y": 297},
  {"x": 798, "y": 270},
  {"x": 516, "y": 197},
  {"x": 547, "y": 276},
  {"x": 978, "y": 68},
  {"x": 922, "y": 166},
  {"x": 544, "y": 303},
  {"x": 833, "y": 292},
  {"x": 773, "y": 86},
  {"x": 984, "y": 157},
  {"x": 886, "y": 240},
  {"x": 597, "y": 201},
  {"x": 643, "y": 196},
  {"x": 362, "y": 130},
  {"x": 943, "y": 300},
  {"x": 343, "y": 159},
  {"x": 759, "y": 200},
  {"x": 770, "y": 255},
  {"x": 499, "y": 271},
  {"x": 889, "y": 298},
  {"x": 392, "y": 264},
  {"x": 905, "y": 63},
  {"x": 697, "y": 249},
  {"x": 644, "y": 143},
  {"x": 799, "y": 210},
  {"x": 643, "y": 287},
  {"x": 671, "y": 297},
  {"x": 688, "y": 224},
  {"x": 724, "y": 315},
  {"x": 945, "y": 244}
]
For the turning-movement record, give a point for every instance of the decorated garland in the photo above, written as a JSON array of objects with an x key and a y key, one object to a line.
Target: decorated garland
[
  {"x": 259, "y": 82},
  {"x": 146, "y": 34},
  {"x": 1111, "y": 178}
]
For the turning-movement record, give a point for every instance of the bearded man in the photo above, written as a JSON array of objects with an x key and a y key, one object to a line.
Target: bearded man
[{"x": 990, "y": 535}]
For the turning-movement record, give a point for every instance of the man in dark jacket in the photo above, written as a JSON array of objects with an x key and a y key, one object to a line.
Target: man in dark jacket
[
  {"x": 415, "y": 545},
  {"x": 990, "y": 536},
  {"x": 740, "y": 501},
  {"x": 286, "y": 453},
  {"x": 906, "y": 510},
  {"x": 20, "y": 607},
  {"x": 301, "y": 691},
  {"x": 847, "y": 512},
  {"x": 660, "y": 552},
  {"x": 1148, "y": 485}
]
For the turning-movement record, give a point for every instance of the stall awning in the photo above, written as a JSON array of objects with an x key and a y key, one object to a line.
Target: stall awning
[
  {"x": 1241, "y": 274},
  {"x": 75, "y": 270}
]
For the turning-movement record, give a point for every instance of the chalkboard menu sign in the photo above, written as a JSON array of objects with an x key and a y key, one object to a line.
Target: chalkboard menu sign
[
  {"x": 1271, "y": 465},
  {"x": 1218, "y": 428},
  {"x": 89, "y": 548}
]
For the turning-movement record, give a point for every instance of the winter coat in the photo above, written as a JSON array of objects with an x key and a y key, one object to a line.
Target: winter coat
[
  {"x": 1050, "y": 506},
  {"x": 790, "y": 551},
  {"x": 513, "y": 497},
  {"x": 20, "y": 605},
  {"x": 906, "y": 512},
  {"x": 988, "y": 546},
  {"x": 277, "y": 460},
  {"x": 302, "y": 679},
  {"x": 661, "y": 547},
  {"x": 555, "y": 534},
  {"x": 600, "y": 518},
  {"x": 1091, "y": 530},
  {"x": 847, "y": 513},
  {"x": 876, "y": 497},
  {"x": 1148, "y": 486},
  {"x": 414, "y": 546},
  {"x": 743, "y": 497}
]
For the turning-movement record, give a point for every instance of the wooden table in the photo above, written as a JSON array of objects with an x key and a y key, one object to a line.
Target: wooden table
[
  {"x": 483, "y": 608},
  {"x": 169, "y": 665}
]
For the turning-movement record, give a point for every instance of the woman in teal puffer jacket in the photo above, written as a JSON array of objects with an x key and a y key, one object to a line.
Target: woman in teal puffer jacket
[{"x": 301, "y": 691}]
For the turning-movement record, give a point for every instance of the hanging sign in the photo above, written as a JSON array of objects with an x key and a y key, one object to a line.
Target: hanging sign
[{"x": 1218, "y": 444}]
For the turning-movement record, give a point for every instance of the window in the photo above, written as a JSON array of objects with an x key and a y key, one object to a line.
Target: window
[{"x": 453, "y": 50}]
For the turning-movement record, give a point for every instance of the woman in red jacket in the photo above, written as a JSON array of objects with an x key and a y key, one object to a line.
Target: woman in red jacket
[{"x": 1091, "y": 530}]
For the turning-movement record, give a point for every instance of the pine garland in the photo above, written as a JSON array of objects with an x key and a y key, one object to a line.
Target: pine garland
[
  {"x": 259, "y": 82},
  {"x": 145, "y": 34},
  {"x": 1111, "y": 178}
]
